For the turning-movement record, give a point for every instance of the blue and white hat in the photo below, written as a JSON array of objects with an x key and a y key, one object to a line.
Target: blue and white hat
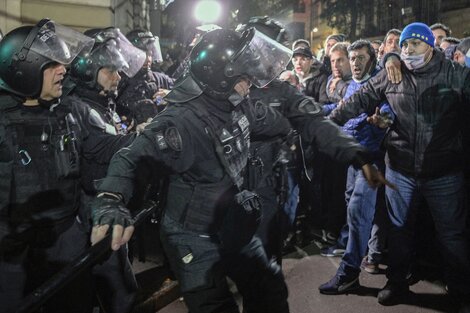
[
  {"x": 419, "y": 31},
  {"x": 467, "y": 58}
]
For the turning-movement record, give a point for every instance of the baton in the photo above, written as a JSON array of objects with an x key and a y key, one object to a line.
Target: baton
[{"x": 88, "y": 258}]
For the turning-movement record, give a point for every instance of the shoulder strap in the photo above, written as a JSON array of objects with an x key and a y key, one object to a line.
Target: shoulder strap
[{"x": 210, "y": 129}]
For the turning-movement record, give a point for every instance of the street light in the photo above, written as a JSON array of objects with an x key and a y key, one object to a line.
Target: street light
[{"x": 207, "y": 11}]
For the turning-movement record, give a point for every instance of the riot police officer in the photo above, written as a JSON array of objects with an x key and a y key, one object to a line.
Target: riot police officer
[
  {"x": 95, "y": 77},
  {"x": 143, "y": 93},
  {"x": 41, "y": 143},
  {"x": 93, "y": 82},
  {"x": 201, "y": 143}
]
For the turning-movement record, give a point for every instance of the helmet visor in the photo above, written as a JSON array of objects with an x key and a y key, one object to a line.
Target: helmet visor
[
  {"x": 59, "y": 43},
  {"x": 109, "y": 56},
  {"x": 152, "y": 46},
  {"x": 133, "y": 56},
  {"x": 262, "y": 59}
]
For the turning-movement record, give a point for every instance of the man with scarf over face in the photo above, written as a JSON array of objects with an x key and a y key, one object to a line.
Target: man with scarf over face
[{"x": 424, "y": 158}]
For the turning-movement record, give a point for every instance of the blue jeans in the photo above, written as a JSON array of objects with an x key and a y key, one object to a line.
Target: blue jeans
[
  {"x": 379, "y": 232},
  {"x": 361, "y": 200},
  {"x": 445, "y": 199},
  {"x": 290, "y": 207}
]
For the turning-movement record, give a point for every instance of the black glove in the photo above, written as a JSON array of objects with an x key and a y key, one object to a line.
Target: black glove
[{"x": 108, "y": 209}]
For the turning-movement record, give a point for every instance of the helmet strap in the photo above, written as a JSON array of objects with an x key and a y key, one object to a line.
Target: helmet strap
[{"x": 21, "y": 55}]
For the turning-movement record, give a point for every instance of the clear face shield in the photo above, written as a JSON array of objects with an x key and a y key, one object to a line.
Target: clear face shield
[
  {"x": 261, "y": 60},
  {"x": 152, "y": 46},
  {"x": 60, "y": 44},
  {"x": 126, "y": 57},
  {"x": 109, "y": 56}
]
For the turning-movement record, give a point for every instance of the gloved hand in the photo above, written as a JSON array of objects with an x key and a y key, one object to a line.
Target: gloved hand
[{"x": 108, "y": 210}]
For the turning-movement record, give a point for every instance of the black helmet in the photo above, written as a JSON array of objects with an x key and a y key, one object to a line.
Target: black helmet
[
  {"x": 26, "y": 51},
  {"x": 222, "y": 57},
  {"x": 146, "y": 41},
  {"x": 111, "y": 50},
  {"x": 268, "y": 26}
]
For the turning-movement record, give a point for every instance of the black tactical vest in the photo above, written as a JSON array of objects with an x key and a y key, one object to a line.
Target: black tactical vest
[
  {"x": 201, "y": 206},
  {"x": 39, "y": 163}
]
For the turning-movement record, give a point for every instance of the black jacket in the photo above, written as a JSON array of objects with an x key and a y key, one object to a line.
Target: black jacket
[
  {"x": 307, "y": 118},
  {"x": 36, "y": 146},
  {"x": 425, "y": 139},
  {"x": 315, "y": 83},
  {"x": 178, "y": 144}
]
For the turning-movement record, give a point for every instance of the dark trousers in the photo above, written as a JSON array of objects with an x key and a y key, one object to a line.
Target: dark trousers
[
  {"x": 202, "y": 266},
  {"x": 30, "y": 255}
]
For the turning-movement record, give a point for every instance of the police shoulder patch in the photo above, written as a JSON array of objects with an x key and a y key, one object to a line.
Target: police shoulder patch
[
  {"x": 309, "y": 106},
  {"x": 261, "y": 110},
  {"x": 173, "y": 138}
]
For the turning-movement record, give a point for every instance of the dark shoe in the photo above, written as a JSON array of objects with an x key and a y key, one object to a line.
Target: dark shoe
[
  {"x": 393, "y": 294},
  {"x": 369, "y": 267},
  {"x": 333, "y": 251},
  {"x": 339, "y": 284}
]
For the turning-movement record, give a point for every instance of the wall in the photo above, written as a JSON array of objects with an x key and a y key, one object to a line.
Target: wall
[{"x": 79, "y": 14}]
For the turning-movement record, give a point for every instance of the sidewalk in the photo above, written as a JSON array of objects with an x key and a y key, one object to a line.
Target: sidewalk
[{"x": 306, "y": 270}]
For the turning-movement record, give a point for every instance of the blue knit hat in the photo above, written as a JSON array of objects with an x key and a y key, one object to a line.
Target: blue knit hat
[
  {"x": 467, "y": 58},
  {"x": 419, "y": 31}
]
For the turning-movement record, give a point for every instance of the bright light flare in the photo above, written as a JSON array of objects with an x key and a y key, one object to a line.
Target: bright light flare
[{"x": 207, "y": 11}]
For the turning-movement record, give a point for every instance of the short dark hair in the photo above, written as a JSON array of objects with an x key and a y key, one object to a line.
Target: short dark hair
[
  {"x": 452, "y": 40},
  {"x": 393, "y": 31},
  {"x": 443, "y": 27},
  {"x": 361, "y": 43}
]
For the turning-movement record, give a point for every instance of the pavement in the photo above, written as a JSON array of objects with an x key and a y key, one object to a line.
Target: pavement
[{"x": 305, "y": 270}]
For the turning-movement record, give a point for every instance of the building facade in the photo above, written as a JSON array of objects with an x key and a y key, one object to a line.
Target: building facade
[{"x": 78, "y": 14}]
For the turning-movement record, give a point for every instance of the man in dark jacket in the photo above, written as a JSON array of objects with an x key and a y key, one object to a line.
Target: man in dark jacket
[
  {"x": 311, "y": 73},
  {"x": 424, "y": 155},
  {"x": 200, "y": 142},
  {"x": 96, "y": 77},
  {"x": 42, "y": 144}
]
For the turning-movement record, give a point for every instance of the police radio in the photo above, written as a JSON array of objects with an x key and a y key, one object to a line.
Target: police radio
[{"x": 66, "y": 153}]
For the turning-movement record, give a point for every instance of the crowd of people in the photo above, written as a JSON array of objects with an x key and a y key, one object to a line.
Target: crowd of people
[{"x": 258, "y": 144}]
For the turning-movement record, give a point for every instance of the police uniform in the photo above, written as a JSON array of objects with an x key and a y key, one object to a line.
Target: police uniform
[
  {"x": 178, "y": 143},
  {"x": 113, "y": 278},
  {"x": 40, "y": 152}
]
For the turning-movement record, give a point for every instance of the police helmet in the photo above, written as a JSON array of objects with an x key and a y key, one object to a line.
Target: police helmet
[
  {"x": 111, "y": 50},
  {"x": 146, "y": 41},
  {"x": 268, "y": 26},
  {"x": 25, "y": 53},
  {"x": 222, "y": 57}
]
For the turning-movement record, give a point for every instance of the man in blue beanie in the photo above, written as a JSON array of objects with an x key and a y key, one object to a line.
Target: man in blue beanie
[{"x": 424, "y": 157}]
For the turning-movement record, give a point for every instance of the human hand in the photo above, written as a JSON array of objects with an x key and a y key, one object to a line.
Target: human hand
[
  {"x": 108, "y": 210},
  {"x": 379, "y": 120},
  {"x": 393, "y": 68}
]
